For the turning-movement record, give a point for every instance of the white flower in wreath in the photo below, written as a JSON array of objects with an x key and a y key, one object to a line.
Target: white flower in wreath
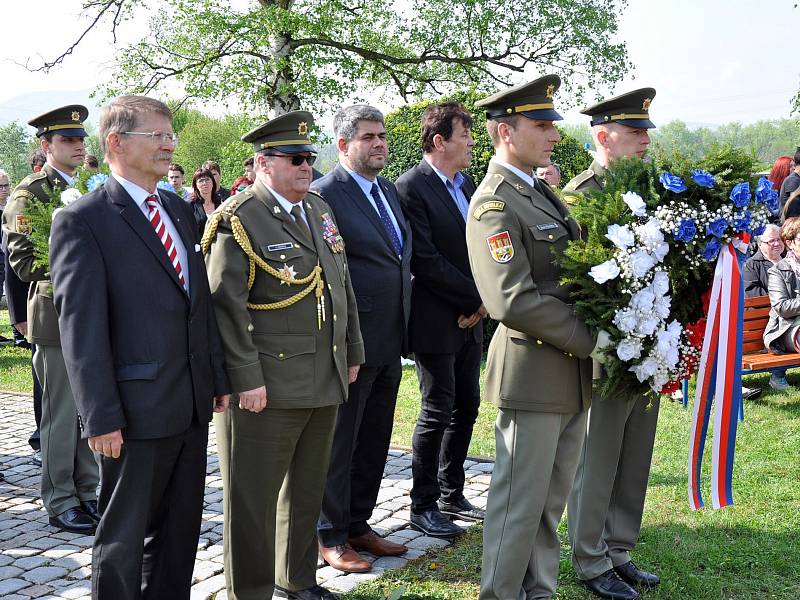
[
  {"x": 659, "y": 381},
  {"x": 660, "y": 285},
  {"x": 645, "y": 369},
  {"x": 635, "y": 203},
  {"x": 674, "y": 328},
  {"x": 650, "y": 233},
  {"x": 641, "y": 262},
  {"x": 629, "y": 349},
  {"x": 660, "y": 250},
  {"x": 661, "y": 307},
  {"x": 605, "y": 271},
  {"x": 621, "y": 236},
  {"x": 648, "y": 324},
  {"x": 642, "y": 301},
  {"x": 626, "y": 320},
  {"x": 70, "y": 195}
]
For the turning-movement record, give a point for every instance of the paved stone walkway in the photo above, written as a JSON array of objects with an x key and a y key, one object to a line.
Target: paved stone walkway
[{"x": 39, "y": 561}]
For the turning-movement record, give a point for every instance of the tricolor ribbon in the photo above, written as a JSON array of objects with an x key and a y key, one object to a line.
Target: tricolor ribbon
[{"x": 719, "y": 377}]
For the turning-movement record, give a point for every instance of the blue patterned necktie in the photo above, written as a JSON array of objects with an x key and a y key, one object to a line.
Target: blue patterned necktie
[{"x": 387, "y": 222}]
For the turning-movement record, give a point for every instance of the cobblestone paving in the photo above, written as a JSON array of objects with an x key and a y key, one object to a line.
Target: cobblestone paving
[{"x": 39, "y": 561}]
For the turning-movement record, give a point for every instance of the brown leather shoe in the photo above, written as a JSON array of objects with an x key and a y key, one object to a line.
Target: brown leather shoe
[
  {"x": 344, "y": 558},
  {"x": 374, "y": 544}
]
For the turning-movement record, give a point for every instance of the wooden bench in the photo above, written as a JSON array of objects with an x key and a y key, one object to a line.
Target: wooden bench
[{"x": 755, "y": 356}]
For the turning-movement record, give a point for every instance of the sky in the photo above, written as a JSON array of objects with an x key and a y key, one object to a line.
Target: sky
[{"x": 711, "y": 61}]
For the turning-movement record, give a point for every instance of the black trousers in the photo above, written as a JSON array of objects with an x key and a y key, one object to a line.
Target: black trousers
[
  {"x": 151, "y": 499},
  {"x": 450, "y": 388},
  {"x": 360, "y": 444}
]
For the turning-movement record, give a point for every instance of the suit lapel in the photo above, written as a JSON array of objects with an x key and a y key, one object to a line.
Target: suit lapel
[
  {"x": 353, "y": 191},
  {"x": 136, "y": 220},
  {"x": 440, "y": 190}
]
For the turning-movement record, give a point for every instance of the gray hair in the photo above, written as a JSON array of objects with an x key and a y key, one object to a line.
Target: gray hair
[
  {"x": 345, "y": 122},
  {"x": 770, "y": 227},
  {"x": 3, "y": 173},
  {"x": 122, "y": 114}
]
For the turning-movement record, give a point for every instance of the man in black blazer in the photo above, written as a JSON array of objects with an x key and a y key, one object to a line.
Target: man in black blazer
[
  {"x": 144, "y": 356},
  {"x": 377, "y": 242},
  {"x": 445, "y": 331}
]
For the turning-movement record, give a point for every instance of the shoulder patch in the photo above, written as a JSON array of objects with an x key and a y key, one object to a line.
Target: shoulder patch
[
  {"x": 498, "y": 205},
  {"x": 23, "y": 194},
  {"x": 489, "y": 185}
]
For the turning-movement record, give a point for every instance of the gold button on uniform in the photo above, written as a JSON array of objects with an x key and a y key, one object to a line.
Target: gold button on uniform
[
  {"x": 549, "y": 237},
  {"x": 334, "y": 317},
  {"x": 539, "y": 342},
  {"x": 283, "y": 256},
  {"x": 281, "y": 355},
  {"x": 334, "y": 347},
  {"x": 250, "y": 327}
]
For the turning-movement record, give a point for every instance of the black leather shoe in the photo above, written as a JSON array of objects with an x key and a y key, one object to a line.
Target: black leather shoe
[
  {"x": 609, "y": 585},
  {"x": 435, "y": 524},
  {"x": 634, "y": 576},
  {"x": 313, "y": 593},
  {"x": 462, "y": 509},
  {"x": 750, "y": 393},
  {"x": 74, "y": 520},
  {"x": 90, "y": 508}
]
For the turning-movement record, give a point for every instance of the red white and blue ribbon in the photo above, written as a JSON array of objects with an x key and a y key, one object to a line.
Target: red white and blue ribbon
[{"x": 719, "y": 378}]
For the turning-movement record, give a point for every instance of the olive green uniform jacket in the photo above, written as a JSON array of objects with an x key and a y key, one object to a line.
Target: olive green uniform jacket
[
  {"x": 301, "y": 364},
  {"x": 42, "y": 316},
  {"x": 538, "y": 357},
  {"x": 590, "y": 179}
]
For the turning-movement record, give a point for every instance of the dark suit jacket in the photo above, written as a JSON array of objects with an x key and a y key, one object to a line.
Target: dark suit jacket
[
  {"x": 442, "y": 288},
  {"x": 142, "y": 355},
  {"x": 381, "y": 280}
]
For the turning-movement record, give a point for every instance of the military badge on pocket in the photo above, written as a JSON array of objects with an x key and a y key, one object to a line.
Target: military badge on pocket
[
  {"x": 500, "y": 247},
  {"x": 330, "y": 233}
]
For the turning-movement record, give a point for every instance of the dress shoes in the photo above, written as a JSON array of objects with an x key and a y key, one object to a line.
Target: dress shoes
[
  {"x": 435, "y": 524},
  {"x": 90, "y": 508},
  {"x": 462, "y": 509},
  {"x": 313, "y": 593},
  {"x": 344, "y": 558},
  {"x": 609, "y": 585},
  {"x": 376, "y": 545},
  {"x": 75, "y": 520},
  {"x": 634, "y": 576}
]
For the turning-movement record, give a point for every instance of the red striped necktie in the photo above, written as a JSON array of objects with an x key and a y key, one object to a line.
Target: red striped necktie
[{"x": 164, "y": 236}]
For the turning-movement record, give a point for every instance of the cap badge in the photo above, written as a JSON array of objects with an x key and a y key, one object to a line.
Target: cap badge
[
  {"x": 646, "y": 104},
  {"x": 550, "y": 90},
  {"x": 302, "y": 128},
  {"x": 76, "y": 116}
]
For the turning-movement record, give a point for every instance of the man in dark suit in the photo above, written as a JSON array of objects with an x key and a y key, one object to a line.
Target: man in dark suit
[
  {"x": 377, "y": 242},
  {"x": 143, "y": 353},
  {"x": 446, "y": 319}
]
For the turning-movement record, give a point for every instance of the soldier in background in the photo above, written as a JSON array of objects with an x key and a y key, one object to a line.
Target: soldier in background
[
  {"x": 538, "y": 372},
  {"x": 289, "y": 324},
  {"x": 607, "y": 499},
  {"x": 69, "y": 471}
]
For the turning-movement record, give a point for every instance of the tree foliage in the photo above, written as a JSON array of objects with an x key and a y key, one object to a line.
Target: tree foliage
[
  {"x": 16, "y": 145},
  {"x": 278, "y": 55}
]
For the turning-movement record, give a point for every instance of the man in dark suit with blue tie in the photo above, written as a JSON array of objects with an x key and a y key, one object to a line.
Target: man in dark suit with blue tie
[
  {"x": 143, "y": 353},
  {"x": 378, "y": 246},
  {"x": 445, "y": 329}
]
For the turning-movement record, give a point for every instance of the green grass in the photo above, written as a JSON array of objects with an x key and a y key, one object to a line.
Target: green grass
[{"x": 747, "y": 551}]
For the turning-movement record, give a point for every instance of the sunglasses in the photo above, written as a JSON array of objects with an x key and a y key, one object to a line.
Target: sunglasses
[{"x": 297, "y": 159}]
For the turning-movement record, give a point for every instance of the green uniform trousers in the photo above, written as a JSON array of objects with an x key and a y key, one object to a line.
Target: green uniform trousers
[
  {"x": 537, "y": 454},
  {"x": 69, "y": 471},
  {"x": 605, "y": 508},
  {"x": 274, "y": 464}
]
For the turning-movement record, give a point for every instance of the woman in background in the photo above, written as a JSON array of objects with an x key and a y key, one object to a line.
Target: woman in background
[{"x": 204, "y": 197}]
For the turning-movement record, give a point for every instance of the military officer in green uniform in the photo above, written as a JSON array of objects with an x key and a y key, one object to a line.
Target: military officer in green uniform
[
  {"x": 69, "y": 471},
  {"x": 538, "y": 371},
  {"x": 289, "y": 324},
  {"x": 605, "y": 506}
]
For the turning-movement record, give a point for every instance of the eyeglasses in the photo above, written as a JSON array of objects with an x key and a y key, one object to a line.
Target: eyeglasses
[
  {"x": 771, "y": 242},
  {"x": 156, "y": 136},
  {"x": 203, "y": 180},
  {"x": 4, "y": 186},
  {"x": 297, "y": 159}
]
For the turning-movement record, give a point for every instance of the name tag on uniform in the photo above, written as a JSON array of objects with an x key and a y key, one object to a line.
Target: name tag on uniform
[
  {"x": 547, "y": 226},
  {"x": 282, "y": 246}
]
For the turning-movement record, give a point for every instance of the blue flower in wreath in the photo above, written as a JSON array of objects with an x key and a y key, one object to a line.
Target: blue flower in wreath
[
  {"x": 742, "y": 222},
  {"x": 685, "y": 231},
  {"x": 740, "y": 194},
  {"x": 763, "y": 190},
  {"x": 703, "y": 178},
  {"x": 672, "y": 182},
  {"x": 711, "y": 249},
  {"x": 772, "y": 201},
  {"x": 95, "y": 181},
  {"x": 717, "y": 227},
  {"x": 760, "y": 229}
]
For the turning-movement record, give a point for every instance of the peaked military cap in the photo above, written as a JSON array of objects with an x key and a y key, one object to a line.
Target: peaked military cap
[
  {"x": 286, "y": 133},
  {"x": 533, "y": 100},
  {"x": 631, "y": 109},
  {"x": 67, "y": 121}
]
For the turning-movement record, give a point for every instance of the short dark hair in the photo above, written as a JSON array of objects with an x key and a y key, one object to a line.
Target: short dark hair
[
  {"x": 91, "y": 161},
  {"x": 176, "y": 167},
  {"x": 438, "y": 120},
  {"x": 199, "y": 174},
  {"x": 797, "y": 156},
  {"x": 211, "y": 165},
  {"x": 248, "y": 162},
  {"x": 38, "y": 158}
]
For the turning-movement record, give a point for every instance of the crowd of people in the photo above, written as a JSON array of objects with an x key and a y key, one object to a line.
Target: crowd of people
[{"x": 296, "y": 295}]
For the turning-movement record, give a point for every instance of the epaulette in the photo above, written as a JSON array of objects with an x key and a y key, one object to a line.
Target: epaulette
[
  {"x": 317, "y": 194},
  {"x": 232, "y": 204},
  {"x": 489, "y": 185},
  {"x": 579, "y": 180}
]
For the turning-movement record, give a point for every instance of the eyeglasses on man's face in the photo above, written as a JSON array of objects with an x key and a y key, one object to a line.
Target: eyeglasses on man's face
[
  {"x": 156, "y": 136},
  {"x": 296, "y": 159},
  {"x": 775, "y": 242}
]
